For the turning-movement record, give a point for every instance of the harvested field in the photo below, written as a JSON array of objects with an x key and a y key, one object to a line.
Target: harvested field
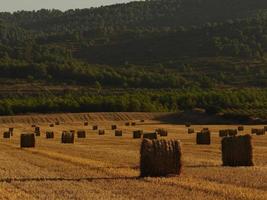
[{"x": 107, "y": 167}]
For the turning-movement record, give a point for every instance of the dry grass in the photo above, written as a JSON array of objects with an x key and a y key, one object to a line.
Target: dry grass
[{"x": 107, "y": 167}]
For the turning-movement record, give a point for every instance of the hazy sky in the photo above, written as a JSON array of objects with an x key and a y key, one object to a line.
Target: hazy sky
[{"x": 14, "y": 5}]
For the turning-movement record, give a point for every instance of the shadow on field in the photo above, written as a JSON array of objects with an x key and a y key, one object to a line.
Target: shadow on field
[{"x": 10, "y": 180}]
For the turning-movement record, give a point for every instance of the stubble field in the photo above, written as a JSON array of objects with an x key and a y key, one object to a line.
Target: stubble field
[{"x": 107, "y": 167}]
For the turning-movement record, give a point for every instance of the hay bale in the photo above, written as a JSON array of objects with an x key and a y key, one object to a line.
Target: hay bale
[
  {"x": 160, "y": 158},
  {"x": 142, "y": 120},
  {"x": 232, "y": 132},
  {"x": 203, "y": 138},
  {"x": 11, "y": 130},
  {"x": 33, "y": 125},
  {"x": 265, "y": 128},
  {"x": 113, "y": 127},
  {"x": 101, "y": 132},
  {"x": 133, "y": 124},
  {"x": 241, "y": 128},
  {"x": 127, "y": 124},
  {"x": 51, "y": 125},
  {"x": 85, "y": 123},
  {"x": 254, "y": 131},
  {"x": 205, "y": 129},
  {"x": 37, "y": 131},
  {"x": 137, "y": 134},
  {"x": 67, "y": 137},
  {"x": 223, "y": 133},
  {"x": 237, "y": 151},
  {"x": 151, "y": 136},
  {"x": 49, "y": 134},
  {"x": 81, "y": 134},
  {"x": 118, "y": 133},
  {"x": 6, "y": 134},
  {"x": 187, "y": 124},
  {"x": 27, "y": 140},
  {"x": 162, "y": 132},
  {"x": 57, "y": 123},
  {"x": 95, "y": 127},
  {"x": 260, "y": 132},
  {"x": 191, "y": 130}
]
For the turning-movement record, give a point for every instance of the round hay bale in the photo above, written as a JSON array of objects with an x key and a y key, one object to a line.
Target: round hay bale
[
  {"x": 81, "y": 134},
  {"x": 67, "y": 137},
  {"x": 187, "y": 124},
  {"x": 142, "y": 120},
  {"x": 133, "y": 124},
  {"x": 49, "y": 134},
  {"x": 85, "y": 123},
  {"x": 137, "y": 134},
  {"x": 51, "y": 125},
  {"x": 127, "y": 124},
  {"x": 118, "y": 133},
  {"x": 37, "y": 131},
  {"x": 203, "y": 138},
  {"x": 57, "y": 123},
  {"x": 260, "y": 132},
  {"x": 160, "y": 158},
  {"x": 27, "y": 140},
  {"x": 95, "y": 127},
  {"x": 237, "y": 151},
  {"x": 151, "y": 136}
]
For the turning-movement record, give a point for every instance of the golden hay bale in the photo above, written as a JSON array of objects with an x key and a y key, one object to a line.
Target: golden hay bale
[
  {"x": 57, "y": 123},
  {"x": 51, "y": 125},
  {"x": 81, "y": 134},
  {"x": 37, "y": 131},
  {"x": 101, "y": 132},
  {"x": 260, "y": 132},
  {"x": 241, "y": 128},
  {"x": 232, "y": 132},
  {"x": 67, "y": 137},
  {"x": 27, "y": 140},
  {"x": 113, "y": 127},
  {"x": 6, "y": 134},
  {"x": 205, "y": 129},
  {"x": 223, "y": 133},
  {"x": 187, "y": 124},
  {"x": 127, "y": 124},
  {"x": 254, "y": 131},
  {"x": 133, "y": 124},
  {"x": 203, "y": 138},
  {"x": 118, "y": 133},
  {"x": 33, "y": 125},
  {"x": 237, "y": 151},
  {"x": 95, "y": 127},
  {"x": 49, "y": 134},
  {"x": 151, "y": 136},
  {"x": 11, "y": 130},
  {"x": 191, "y": 130},
  {"x": 85, "y": 123},
  {"x": 160, "y": 158},
  {"x": 162, "y": 132},
  {"x": 137, "y": 134},
  {"x": 142, "y": 120},
  {"x": 265, "y": 128}
]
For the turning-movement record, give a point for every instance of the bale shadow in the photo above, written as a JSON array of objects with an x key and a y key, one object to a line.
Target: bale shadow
[{"x": 89, "y": 179}]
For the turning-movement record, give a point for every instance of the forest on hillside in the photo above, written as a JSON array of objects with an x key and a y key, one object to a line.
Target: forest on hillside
[{"x": 156, "y": 45}]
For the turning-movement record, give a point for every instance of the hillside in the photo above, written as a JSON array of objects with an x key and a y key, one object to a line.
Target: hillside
[{"x": 141, "y": 50}]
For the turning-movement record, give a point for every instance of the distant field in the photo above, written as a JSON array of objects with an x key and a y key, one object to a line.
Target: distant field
[{"x": 107, "y": 167}]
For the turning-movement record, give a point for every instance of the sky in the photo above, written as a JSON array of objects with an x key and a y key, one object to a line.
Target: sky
[{"x": 15, "y": 5}]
